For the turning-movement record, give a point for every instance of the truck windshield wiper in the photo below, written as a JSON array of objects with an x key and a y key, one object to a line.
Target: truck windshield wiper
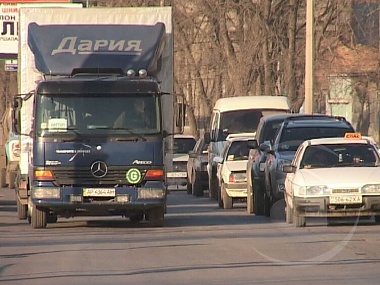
[{"x": 128, "y": 130}]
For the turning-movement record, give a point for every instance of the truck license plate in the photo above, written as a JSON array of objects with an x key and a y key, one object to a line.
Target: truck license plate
[
  {"x": 176, "y": 174},
  {"x": 99, "y": 192},
  {"x": 350, "y": 199}
]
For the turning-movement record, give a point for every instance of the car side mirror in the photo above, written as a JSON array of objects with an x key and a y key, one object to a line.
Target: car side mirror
[
  {"x": 289, "y": 168},
  {"x": 253, "y": 144},
  {"x": 218, "y": 159}
]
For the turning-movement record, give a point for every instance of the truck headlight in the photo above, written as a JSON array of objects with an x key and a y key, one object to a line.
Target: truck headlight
[
  {"x": 371, "y": 188},
  {"x": 46, "y": 193},
  {"x": 151, "y": 193}
]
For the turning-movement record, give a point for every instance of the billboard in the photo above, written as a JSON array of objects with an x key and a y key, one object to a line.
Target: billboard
[{"x": 9, "y": 13}]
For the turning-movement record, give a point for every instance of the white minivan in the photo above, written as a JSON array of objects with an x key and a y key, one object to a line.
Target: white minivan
[{"x": 237, "y": 115}]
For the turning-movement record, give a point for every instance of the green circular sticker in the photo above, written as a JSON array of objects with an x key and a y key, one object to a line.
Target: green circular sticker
[{"x": 133, "y": 175}]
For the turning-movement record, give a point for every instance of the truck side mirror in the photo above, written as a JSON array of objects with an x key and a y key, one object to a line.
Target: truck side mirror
[{"x": 16, "y": 115}]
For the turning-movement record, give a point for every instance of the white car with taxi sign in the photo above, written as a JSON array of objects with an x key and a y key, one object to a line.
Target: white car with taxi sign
[{"x": 333, "y": 177}]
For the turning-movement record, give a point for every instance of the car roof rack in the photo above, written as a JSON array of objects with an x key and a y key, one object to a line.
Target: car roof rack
[{"x": 313, "y": 117}]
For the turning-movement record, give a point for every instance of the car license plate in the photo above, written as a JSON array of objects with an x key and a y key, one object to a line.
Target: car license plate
[
  {"x": 99, "y": 192},
  {"x": 176, "y": 174},
  {"x": 349, "y": 199}
]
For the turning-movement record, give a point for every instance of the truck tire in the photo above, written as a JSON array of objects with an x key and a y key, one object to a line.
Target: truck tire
[
  {"x": 22, "y": 210},
  {"x": 136, "y": 218},
  {"x": 197, "y": 185},
  {"x": 38, "y": 218},
  {"x": 227, "y": 200},
  {"x": 258, "y": 199},
  {"x": 2, "y": 178},
  {"x": 51, "y": 219},
  {"x": 156, "y": 216}
]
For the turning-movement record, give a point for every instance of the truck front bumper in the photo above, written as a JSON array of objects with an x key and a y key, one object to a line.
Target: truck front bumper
[{"x": 86, "y": 201}]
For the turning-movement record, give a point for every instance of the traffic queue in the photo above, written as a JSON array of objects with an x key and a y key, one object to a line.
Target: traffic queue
[{"x": 317, "y": 165}]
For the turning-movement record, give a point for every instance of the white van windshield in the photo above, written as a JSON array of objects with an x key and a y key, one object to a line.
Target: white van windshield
[{"x": 244, "y": 121}]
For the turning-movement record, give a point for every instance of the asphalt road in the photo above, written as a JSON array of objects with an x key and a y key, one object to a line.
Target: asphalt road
[{"x": 199, "y": 244}]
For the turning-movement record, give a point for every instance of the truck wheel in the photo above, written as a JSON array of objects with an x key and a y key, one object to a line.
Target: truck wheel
[
  {"x": 156, "y": 216},
  {"x": 188, "y": 187},
  {"x": 22, "y": 210},
  {"x": 227, "y": 200},
  {"x": 136, "y": 218},
  {"x": 2, "y": 178},
  {"x": 38, "y": 218},
  {"x": 197, "y": 186},
  {"x": 288, "y": 214},
  {"x": 258, "y": 199},
  {"x": 51, "y": 219},
  {"x": 298, "y": 220}
]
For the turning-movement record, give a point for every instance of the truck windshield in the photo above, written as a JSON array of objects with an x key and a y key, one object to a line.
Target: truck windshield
[
  {"x": 97, "y": 115},
  {"x": 244, "y": 121}
]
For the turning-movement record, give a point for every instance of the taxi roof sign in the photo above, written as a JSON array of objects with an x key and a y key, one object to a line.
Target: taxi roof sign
[{"x": 352, "y": 135}]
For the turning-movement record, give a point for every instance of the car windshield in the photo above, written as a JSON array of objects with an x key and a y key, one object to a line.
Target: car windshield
[
  {"x": 244, "y": 121},
  {"x": 291, "y": 138},
  {"x": 339, "y": 155},
  {"x": 238, "y": 150}
]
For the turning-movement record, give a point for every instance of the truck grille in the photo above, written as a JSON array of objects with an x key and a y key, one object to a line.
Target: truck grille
[{"x": 83, "y": 176}]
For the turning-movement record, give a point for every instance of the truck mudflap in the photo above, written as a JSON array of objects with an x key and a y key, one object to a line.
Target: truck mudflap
[{"x": 136, "y": 203}]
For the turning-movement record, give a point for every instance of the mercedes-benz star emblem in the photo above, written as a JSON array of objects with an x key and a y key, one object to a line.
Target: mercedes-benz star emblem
[{"x": 99, "y": 169}]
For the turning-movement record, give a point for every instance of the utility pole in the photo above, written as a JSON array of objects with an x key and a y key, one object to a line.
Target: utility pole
[{"x": 309, "y": 61}]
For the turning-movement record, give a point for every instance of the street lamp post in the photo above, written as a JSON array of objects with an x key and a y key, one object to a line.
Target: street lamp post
[{"x": 309, "y": 60}]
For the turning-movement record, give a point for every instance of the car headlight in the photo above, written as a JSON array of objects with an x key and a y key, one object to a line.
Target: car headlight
[
  {"x": 312, "y": 190},
  {"x": 281, "y": 163},
  {"x": 371, "y": 188},
  {"x": 317, "y": 190}
]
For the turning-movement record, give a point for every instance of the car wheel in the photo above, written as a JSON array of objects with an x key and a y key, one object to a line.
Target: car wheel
[
  {"x": 220, "y": 199},
  {"x": 298, "y": 219},
  {"x": 266, "y": 205},
  {"x": 250, "y": 201},
  {"x": 288, "y": 214},
  {"x": 197, "y": 185},
  {"x": 227, "y": 200},
  {"x": 213, "y": 185},
  {"x": 188, "y": 187},
  {"x": 258, "y": 199}
]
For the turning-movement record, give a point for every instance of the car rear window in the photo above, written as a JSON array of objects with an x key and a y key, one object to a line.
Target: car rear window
[{"x": 291, "y": 138}]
